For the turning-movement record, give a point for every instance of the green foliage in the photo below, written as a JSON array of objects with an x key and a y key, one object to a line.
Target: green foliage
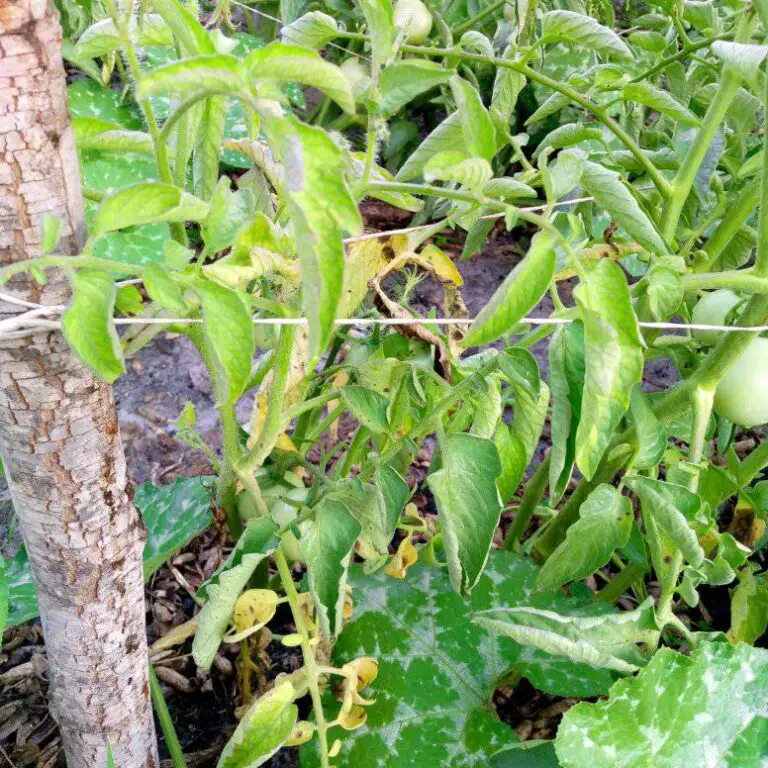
[
  {"x": 715, "y": 698},
  {"x": 622, "y": 150}
]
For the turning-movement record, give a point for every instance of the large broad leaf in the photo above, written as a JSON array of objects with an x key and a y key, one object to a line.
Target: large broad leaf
[
  {"x": 611, "y": 193},
  {"x": 517, "y": 295},
  {"x": 327, "y": 548},
  {"x": 609, "y": 641},
  {"x": 367, "y": 406},
  {"x": 468, "y": 503},
  {"x": 265, "y": 727},
  {"x": 613, "y": 351},
  {"x": 571, "y": 27},
  {"x": 322, "y": 210},
  {"x": 566, "y": 378},
  {"x": 218, "y": 73},
  {"x": 221, "y": 591},
  {"x": 88, "y": 324},
  {"x": 705, "y": 709},
  {"x": 437, "y": 671},
  {"x": 671, "y": 507},
  {"x": 173, "y": 516},
  {"x": 604, "y": 524}
]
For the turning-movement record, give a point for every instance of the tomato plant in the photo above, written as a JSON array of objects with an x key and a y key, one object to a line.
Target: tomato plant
[{"x": 627, "y": 154}]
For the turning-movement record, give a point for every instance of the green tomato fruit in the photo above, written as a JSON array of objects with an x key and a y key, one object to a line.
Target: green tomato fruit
[
  {"x": 354, "y": 71},
  {"x": 414, "y": 18},
  {"x": 742, "y": 394},
  {"x": 283, "y": 513},
  {"x": 713, "y": 309}
]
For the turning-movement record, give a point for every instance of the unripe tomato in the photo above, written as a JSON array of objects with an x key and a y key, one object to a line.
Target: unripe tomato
[
  {"x": 284, "y": 513},
  {"x": 354, "y": 71},
  {"x": 414, "y": 18},
  {"x": 713, "y": 309},
  {"x": 742, "y": 394}
]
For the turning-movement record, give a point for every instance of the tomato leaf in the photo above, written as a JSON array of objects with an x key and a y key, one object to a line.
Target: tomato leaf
[
  {"x": 572, "y": 27},
  {"x": 400, "y": 83},
  {"x": 265, "y": 727},
  {"x": 312, "y": 30},
  {"x": 517, "y": 295},
  {"x": 88, "y": 325},
  {"x": 613, "y": 353},
  {"x": 327, "y": 549},
  {"x": 147, "y": 203},
  {"x": 604, "y": 525},
  {"x": 468, "y": 504}
]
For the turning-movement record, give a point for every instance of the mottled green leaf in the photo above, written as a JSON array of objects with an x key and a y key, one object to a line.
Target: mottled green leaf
[
  {"x": 743, "y": 58},
  {"x": 228, "y": 331},
  {"x": 650, "y": 96},
  {"x": 323, "y": 211},
  {"x": 402, "y": 82},
  {"x": 604, "y": 525},
  {"x": 173, "y": 515},
  {"x": 680, "y": 710},
  {"x": 468, "y": 504},
  {"x": 613, "y": 353},
  {"x": 437, "y": 671},
  {"x": 312, "y": 30},
  {"x": 147, "y": 203},
  {"x": 368, "y": 407},
  {"x": 283, "y": 63},
  {"x": 651, "y": 438},
  {"x": 447, "y": 137},
  {"x": 479, "y": 134}
]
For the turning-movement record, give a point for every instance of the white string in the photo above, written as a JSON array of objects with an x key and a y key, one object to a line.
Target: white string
[{"x": 30, "y": 323}]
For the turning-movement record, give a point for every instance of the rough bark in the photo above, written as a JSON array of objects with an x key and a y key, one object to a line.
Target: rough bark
[{"x": 59, "y": 438}]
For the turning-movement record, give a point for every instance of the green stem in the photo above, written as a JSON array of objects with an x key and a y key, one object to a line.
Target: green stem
[
  {"x": 619, "y": 585},
  {"x": 718, "y": 108},
  {"x": 477, "y": 18},
  {"x": 754, "y": 464},
  {"x": 161, "y": 150},
  {"x": 308, "y": 654},
  {"x": 534, "y": 491},
  {"x": 761, "y": 260},
  {"x": 683, "y": 54},
  {"x": 599, "y": 112},
  {"x": 227, "y": 483},
  {"x": 273, "y": 423},
  {"x": 356, "y": 447},
  {"x": 166, "y": 724},
  {"x": 743, "y": 280},
  {"x": 733, "y": 220}
]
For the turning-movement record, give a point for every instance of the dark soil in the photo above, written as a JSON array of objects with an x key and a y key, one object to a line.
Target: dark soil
[{"x": 160, "y": 380}]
